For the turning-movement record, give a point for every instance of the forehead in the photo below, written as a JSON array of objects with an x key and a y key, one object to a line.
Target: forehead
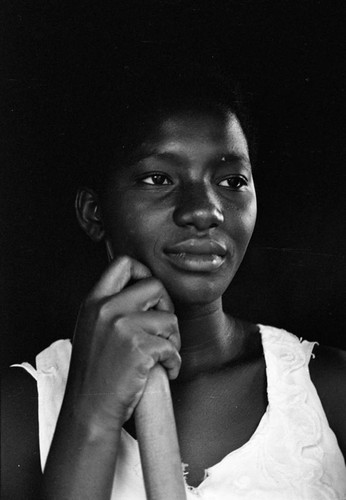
[{"x": 182, "y": 130}]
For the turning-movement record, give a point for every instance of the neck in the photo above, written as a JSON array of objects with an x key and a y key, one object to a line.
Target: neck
[{"x": 209, "y": 338}]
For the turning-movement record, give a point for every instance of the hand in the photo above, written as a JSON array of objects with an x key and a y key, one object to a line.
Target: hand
[{"x": 121, "y": 333}]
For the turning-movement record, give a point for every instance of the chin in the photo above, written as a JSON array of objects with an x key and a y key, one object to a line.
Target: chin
[{"x": 193, "y": 291}]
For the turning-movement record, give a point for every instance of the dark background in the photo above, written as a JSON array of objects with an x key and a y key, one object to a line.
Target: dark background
[{"x": 290, "y": 56}]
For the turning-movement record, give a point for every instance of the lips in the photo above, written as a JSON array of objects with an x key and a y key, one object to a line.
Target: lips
[{"x": 197, "y": 255}]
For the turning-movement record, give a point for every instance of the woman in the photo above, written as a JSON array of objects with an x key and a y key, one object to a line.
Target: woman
[{"x": 176, "y": 208}]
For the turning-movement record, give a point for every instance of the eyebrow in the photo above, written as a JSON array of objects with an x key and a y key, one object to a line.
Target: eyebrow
[
  {"x": 235, "y": 157},
  {"x": 155, "y": 153},
  {"x": 173, "y": 157}
]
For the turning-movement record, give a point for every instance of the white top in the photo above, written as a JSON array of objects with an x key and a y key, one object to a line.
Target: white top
[{"x": 292, "y": 455}]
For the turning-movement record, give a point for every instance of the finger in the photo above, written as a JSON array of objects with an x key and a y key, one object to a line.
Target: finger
[
  {"x": 158, "y": 323},
  {"x": 148, "y": 293},
  {"x": 117, "y": 275},
  {"x": 162, "y": 351}
]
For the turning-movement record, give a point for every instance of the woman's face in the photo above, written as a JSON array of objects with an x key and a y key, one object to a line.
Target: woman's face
[{"x": 185, "y": 204}]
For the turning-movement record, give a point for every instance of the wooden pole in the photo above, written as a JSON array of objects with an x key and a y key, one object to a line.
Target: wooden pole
[{"x": 158, "y": 441}]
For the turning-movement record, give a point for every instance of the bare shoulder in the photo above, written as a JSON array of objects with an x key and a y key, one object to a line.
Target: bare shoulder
[
  {"x": 328, "y": 373},
  {"x": 20, "y": 472}
]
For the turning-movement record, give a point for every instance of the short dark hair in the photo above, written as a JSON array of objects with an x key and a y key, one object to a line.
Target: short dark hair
[{"x": 123, "y": 110}]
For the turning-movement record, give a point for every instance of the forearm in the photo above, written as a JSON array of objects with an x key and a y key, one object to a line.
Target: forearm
[
  {"x": 121, "y": 333},
  {"x": 82, "y": 458}
]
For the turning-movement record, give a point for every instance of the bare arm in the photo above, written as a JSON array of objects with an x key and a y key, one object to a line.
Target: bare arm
[
  {"x": 82, "y": 459},
  {"x": 328, "y": 373},
  {"x": 120, "y": 335}
]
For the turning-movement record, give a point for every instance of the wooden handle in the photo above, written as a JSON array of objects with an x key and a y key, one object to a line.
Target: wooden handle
[{"x": 158, "y": 441}]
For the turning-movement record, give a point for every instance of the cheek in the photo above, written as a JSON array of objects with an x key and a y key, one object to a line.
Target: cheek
[
  {"x": 249, "y": 218},
  {"x": 134, "y": 232},
  {"x": 241, "y": 219}
]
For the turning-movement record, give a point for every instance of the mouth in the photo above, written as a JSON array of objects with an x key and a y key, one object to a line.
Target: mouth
[{"x": 197, "y": 255}]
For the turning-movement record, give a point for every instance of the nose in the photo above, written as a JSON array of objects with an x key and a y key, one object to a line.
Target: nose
[{"x": 198, "y": 207}]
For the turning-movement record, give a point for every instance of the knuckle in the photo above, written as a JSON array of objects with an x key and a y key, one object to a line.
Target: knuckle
[
  {"x": 143, "y": 370},
  {"x": 147, "y": 363},
  {"x": 121, "y": 323},
  {"x": 174, "y": 322},
  {"x": 102, "y": 311}
]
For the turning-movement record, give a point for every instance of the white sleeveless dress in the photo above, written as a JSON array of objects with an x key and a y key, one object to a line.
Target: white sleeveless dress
[{"x": 292, "y": 455}]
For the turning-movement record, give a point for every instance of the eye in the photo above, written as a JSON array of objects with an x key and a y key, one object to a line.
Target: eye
[
  {"x": 156, "y": 180},
  {"x": 235, "y": 182}
]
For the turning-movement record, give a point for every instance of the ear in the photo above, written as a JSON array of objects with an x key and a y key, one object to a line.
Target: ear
[{"x": 89, "y": 214}]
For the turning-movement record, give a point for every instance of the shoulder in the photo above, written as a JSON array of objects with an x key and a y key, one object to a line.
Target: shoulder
[
  {"x": 19, "y": 436},
  {"x": 328, "y": 374}
]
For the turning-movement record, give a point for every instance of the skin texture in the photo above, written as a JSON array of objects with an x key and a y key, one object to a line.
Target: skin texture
[
  {"x": 189, "y": 178},
  {"x": 193, "y": 156}
]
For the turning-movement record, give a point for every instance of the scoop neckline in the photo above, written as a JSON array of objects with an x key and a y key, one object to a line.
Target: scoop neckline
[{"x": 237, "y": 450}]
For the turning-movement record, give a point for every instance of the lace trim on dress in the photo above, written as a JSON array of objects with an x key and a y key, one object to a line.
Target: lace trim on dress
[
  {"x": 292, "y": 454},
  {"x": 297, "y": 419}
]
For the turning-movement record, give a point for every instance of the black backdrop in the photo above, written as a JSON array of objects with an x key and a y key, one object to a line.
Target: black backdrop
[{"x": 290, "y": 57}]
